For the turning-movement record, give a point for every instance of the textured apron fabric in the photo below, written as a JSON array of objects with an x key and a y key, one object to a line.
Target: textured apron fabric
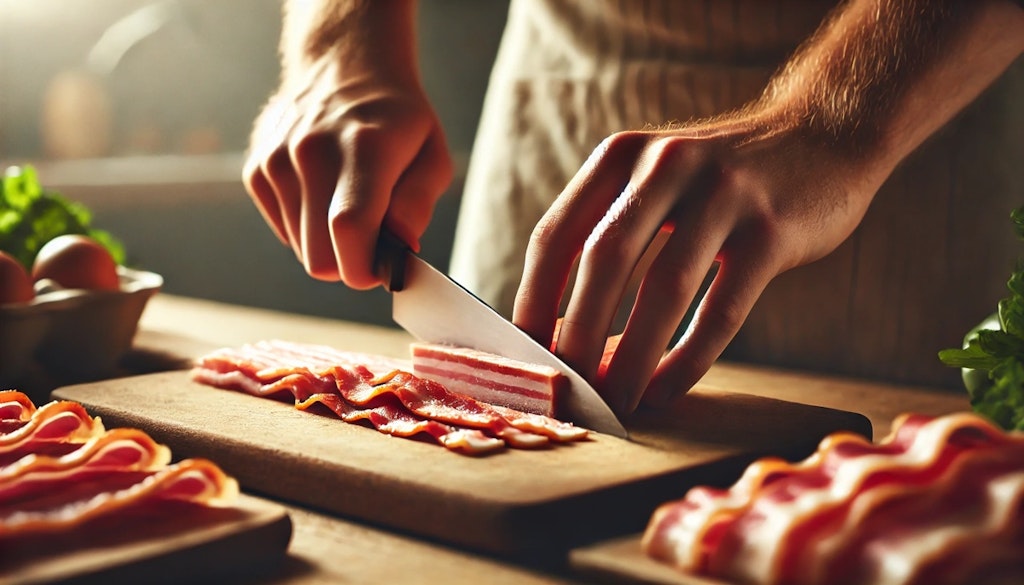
[{"x": 930, "y": 259}]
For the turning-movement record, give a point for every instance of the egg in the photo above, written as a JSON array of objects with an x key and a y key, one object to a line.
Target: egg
[
  {"x": 15, "y": 283},
  {"x": 75, "y": 261}
]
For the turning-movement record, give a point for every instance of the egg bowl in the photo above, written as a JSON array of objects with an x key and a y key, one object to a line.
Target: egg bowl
[{"x": 74, "y": 333}]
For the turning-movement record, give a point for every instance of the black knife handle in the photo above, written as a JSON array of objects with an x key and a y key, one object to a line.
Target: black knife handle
[{"x": 390, "y": 261}]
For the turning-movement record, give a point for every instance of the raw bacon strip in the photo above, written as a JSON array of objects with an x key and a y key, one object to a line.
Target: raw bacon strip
[
  {"x": 272, "y": 367},
  {"x": 118, "y": 449},
  {"x": 15, "y": 405},
  {"x": 15, "y": 410},
  {"x": 561, "y": 432},
  {"x": 269, "y": 360},
  {"x": 391, "y": 418},
  {"x": 819, "y": 520},
  {"x": 59, "y": 422},
  {"x": 843, "y": 464},
  {"x": 193, "y": 480},
  {"x": 394, "y": 419},
  {"x": 432, "y": 401},
  {"x": 489, "y": 378},
  {"x": 895, "y": 535}
]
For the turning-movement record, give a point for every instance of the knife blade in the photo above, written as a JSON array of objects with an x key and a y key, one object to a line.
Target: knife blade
[{"x": 436, "y": 309}]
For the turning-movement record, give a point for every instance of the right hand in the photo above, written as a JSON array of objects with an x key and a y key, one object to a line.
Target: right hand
[{"x": 348, "y": 144}]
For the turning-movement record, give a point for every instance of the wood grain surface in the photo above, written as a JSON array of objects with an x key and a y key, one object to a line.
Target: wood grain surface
[
  {"x": 514, "y": 502},
  {"x": 622, "y": 561},
  {"x": 175, "y": 543}
]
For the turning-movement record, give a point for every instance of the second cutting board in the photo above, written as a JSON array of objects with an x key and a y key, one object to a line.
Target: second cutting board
[{"x": 514, "y": 502}]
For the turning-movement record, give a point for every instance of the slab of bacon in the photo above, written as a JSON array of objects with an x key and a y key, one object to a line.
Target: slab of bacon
[
  {"x": 489, "y": 378},
  {"x": 940, "y": 500},
  {"x": 60, "y": 469},
  {"x": 380, "y": 391}
]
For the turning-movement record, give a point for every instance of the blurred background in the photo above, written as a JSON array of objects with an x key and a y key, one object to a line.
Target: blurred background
[{"x": 141, "y": 110}]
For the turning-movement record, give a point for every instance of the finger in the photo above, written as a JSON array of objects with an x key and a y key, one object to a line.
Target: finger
[
  {"x": 262, "y": 194},
  {"x": 666, "y": 292},
  {"x": 662, "y": 175},
  {"x": 277, "y": 168},
  {"x": 318, "y": 160},
  {"x": 374, "y": 160},
  {"x": 740, "y": 280},
  {"x": 418, "y": 190},
  {"x": 559, "y": 236},
  {"x": 265, "y": 138}
]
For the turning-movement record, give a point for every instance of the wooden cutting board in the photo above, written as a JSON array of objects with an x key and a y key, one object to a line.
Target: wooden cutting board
[
  {"x": 622, "y": 561},
  {"x": 173, "y": 544},
  {"x": 513, "y": 502}
]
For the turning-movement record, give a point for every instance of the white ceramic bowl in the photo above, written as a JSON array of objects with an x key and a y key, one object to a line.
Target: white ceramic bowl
[{"x": 73, "y": 332}]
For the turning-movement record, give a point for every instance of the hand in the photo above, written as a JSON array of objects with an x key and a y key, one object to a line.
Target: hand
[
  {"x": 348, "y": 144},
  {"x": 779, "y": 184},
  {"x": 757, "y": 194}
]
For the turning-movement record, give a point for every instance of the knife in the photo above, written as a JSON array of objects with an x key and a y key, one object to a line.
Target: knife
[{"x": 436, "y": 309}]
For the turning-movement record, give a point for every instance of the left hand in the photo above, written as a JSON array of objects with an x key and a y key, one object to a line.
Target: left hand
[{"x": 758, "y": 195}]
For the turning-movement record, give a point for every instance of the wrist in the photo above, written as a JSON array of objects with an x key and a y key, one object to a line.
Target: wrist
[{"x": 357, "y": 39}]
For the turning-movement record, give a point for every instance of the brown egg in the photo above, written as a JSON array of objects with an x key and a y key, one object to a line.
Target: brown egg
[
  {"x": 15, "y": 283},
  {"x": 75, "y": 261}
]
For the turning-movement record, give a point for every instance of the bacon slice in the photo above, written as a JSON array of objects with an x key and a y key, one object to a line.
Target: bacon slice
[
  {"x": 58, "y": 422},
  {"x": 489, "y": 378},
  {"x": 118, "y": 449},
  {"x": 390, "y": 398},
  {"x": 833, "y": 517},
  {"x": 15, "y": 405},
  {"x": 192, "y": 480}
]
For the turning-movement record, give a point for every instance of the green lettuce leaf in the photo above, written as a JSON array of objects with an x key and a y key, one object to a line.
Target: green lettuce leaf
[{"x": 31, "y": 216}]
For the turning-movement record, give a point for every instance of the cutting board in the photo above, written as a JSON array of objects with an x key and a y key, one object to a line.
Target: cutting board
[
  {"x": 514, "y": 502},
  {"x": 622, "y": 561},
  {"x": 176, "y": 543}
]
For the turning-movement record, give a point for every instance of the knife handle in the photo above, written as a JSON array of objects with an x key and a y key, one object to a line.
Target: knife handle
[{"x": 389, "y": 263}]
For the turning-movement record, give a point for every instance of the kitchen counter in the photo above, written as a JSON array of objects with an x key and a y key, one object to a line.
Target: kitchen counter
[{"x": 326, "y": 549}]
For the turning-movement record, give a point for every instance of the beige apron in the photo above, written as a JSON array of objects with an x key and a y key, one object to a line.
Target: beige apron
[{"x": 930, "y": 259}]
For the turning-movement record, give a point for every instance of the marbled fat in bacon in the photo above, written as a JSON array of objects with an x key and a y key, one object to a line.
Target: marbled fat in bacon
[
  {"x": 57, "y": 423},
  {"x": 62, "y": 469},
  {"x": 118, "y": 449},
  {"x": 192, "y": 480},
  {"x": 935, "y": 491},
  {"x": 390, "y": 417},
  {"x": 378, "y": 384},
  {"x": 490, "y": 378}
]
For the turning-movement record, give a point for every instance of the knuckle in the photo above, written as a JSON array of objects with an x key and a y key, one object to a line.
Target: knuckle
[
  {"x": 727, "y": 314},
  {"x": 605, "y": 246},
  {"x": 544, "y": 234},
  {"x": 362, "y": 137},
  {"x": 620, "y": 143}
]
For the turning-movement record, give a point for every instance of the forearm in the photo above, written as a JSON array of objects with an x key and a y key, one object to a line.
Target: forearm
[
  {"x": 880, "y": 76},
  {"x": 358, "y": 35}
]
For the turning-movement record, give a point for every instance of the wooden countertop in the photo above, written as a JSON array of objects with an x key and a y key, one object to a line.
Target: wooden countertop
[{"x": 326, "y": 549}]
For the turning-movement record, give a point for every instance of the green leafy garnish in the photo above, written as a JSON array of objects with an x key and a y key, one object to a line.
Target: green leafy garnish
[
  {"x": 993, "y": 354},
  {"x": 30, "y": 216}
]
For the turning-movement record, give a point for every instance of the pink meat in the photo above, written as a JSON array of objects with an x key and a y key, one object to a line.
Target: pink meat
[
  {"x": 932, "y": 490},
  {"x": 490, "y": 378},
  {"x": 360, "y": 387}
]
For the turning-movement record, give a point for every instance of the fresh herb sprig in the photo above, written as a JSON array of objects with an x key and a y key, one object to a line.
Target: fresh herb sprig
[
  {"x": 993, "y": 358},
  {"x": 31, "y": 215}
]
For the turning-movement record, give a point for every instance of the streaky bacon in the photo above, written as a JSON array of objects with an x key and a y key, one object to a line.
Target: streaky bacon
[
  {"x": 489, "y": 378},
  {"x": 815, "y": 521},
  {"x": 15, "y": 410},
  {"x": 56, "y": 422},
  {"x": 390, "y": 417},
  {"x": 385, "y": 416},
  {"x": 15, "y": 405},
  {"x": 118, "y": 449},
  {"x": 271, "y": 368},
  {"x": 193, "y": 480}
]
